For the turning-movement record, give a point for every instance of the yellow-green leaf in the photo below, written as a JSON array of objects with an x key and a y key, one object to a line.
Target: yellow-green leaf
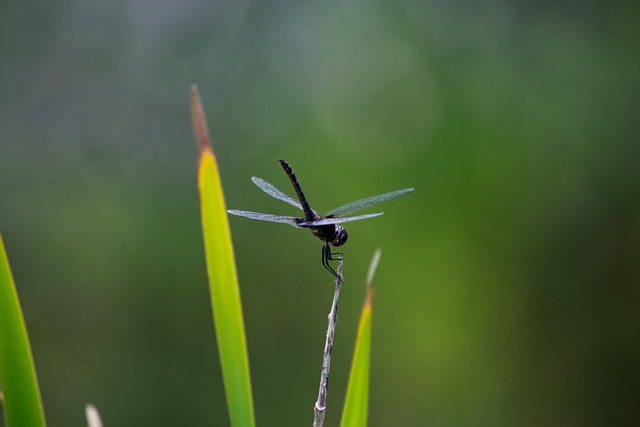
[
  {"x": 223, "y": 280},
  {"x": 22, "y": 404},
  {"x": 357, "y": 399}
]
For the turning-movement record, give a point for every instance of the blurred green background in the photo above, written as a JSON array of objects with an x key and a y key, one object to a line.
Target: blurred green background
[{"x": 508, "y": 289}]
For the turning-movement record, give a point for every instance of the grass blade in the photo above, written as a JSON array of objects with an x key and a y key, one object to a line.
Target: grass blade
[
  {"x": 22, "y": 403},
  {"x": 223, "y": 280},
  {"x": 357, "y": 399}
]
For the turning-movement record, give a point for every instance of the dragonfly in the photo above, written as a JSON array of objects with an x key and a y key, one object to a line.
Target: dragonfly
[{"x": 326, "y": 227}]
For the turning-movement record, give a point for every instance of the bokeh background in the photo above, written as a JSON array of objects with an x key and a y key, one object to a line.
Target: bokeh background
[{"x": 508, "y": 289}]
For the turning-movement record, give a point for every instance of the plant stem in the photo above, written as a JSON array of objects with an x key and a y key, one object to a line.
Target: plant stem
[{"x": 320, "y": 405}]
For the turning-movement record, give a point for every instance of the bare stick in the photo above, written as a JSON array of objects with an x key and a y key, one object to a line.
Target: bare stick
[{"x": 320, "y": 406}]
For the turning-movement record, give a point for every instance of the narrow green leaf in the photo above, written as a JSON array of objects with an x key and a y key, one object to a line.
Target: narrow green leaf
[
  {"x": 357, "y": 399},
  {"x": 223, "y": 280},
  {"x": 22, "y": 404}
]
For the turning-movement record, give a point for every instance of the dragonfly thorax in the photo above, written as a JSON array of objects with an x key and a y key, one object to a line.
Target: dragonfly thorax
[{"x": 335, "y": 235}]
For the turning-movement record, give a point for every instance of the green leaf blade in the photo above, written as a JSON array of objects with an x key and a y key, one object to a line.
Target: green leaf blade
[
  {"x": 223, "y": 280},
  {"x": 356, "y": 403},
  {"x": 18, "y": 381}
]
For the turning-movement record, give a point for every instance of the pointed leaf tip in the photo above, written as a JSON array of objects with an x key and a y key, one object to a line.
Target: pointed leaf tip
[
  {"x": 93, "y": 416},
  {"x": 200, "y": 129},
  {"x": 373, "y": 267},
  {"x": 356, "y": 402}
]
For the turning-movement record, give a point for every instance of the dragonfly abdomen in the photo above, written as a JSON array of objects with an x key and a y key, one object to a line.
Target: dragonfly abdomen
[{"x": 309, "y": 214}]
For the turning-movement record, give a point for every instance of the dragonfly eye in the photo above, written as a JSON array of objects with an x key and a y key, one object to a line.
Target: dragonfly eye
[{"x": 341, "y": 236}]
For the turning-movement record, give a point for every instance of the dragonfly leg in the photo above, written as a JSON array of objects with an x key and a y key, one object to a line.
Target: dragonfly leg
[{"x": 326, "y": 257}]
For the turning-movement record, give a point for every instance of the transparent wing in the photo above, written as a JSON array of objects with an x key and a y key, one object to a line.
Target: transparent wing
[
  {"x": 293, "y": 221},
  {"x": 352, "y": 207},
  {"x": 271, "y": 190},
  {"x": 327, "y": 221}
]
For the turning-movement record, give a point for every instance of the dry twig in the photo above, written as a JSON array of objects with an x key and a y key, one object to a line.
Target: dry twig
[{"x": 320, "y": 406}]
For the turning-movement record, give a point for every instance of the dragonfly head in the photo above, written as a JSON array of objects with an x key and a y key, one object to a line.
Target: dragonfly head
[{"x": 341, "y": 236}]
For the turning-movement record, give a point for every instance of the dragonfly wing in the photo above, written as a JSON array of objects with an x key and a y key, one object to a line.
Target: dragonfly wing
[
  {"x": 293, "y": 221},
  {"x": 328, "y": 221},
  {"x": 271, "y": 190},
  {"x": 352, "y": 207}
]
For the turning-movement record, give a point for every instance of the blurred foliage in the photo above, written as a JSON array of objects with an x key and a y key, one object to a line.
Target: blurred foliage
[{"x": 509, "y": 290}]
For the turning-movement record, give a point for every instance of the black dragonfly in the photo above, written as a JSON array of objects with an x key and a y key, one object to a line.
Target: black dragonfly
[{"x": 326, "y": 227}]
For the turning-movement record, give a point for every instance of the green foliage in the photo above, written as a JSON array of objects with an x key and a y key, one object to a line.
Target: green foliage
[
  {"x": 357, "y": 399},
  {"x": 223, "y": 280},
  {"x": 22, "y": 405}
]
